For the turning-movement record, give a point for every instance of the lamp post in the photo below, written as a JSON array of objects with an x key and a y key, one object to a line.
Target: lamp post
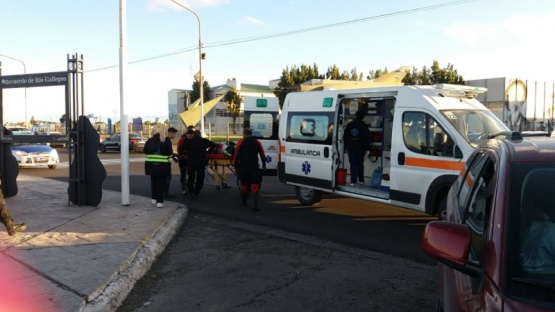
[
  {"x": 25, "y": 73},
  {"x": 201, "y": 84}
]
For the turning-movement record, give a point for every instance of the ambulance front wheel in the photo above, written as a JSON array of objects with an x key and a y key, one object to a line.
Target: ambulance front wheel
[{"x": 308, "y": 196}]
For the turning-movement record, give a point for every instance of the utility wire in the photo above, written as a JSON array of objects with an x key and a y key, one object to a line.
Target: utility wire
[{"x": 298, "y": 31}]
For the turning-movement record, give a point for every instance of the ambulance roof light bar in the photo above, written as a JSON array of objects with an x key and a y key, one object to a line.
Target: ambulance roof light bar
[{"x": 459, "y": 90}]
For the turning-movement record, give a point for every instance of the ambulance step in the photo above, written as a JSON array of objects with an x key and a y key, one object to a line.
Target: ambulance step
[{"x": 364, "y": 190}]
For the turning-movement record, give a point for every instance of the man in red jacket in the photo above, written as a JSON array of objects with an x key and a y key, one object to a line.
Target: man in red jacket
[{"x": 245, "y": 160}]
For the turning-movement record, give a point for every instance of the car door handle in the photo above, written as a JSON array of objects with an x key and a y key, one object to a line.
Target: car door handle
[{"x": 401, "y": 159}]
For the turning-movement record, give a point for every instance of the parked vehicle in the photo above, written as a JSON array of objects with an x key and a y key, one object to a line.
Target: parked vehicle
[
  {"x": 421, "y": 137},
  {"x": 496, "y": 247},
  {"x": 140, "y": 145},
  {"x": 262, "y": 116},
  {"x": 535, "y": 134},
  {"x": 55, "y": 144},
  {"x": 113, "y": 143},
  {"x": 34, "y": 155}
]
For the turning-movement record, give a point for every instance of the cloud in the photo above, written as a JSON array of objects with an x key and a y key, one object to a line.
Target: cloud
[
  {"x": 531, "y": 28},
  {"x": 524, "y": 29},
  {"x": 255, "y": 21},
  {"x": 469, "y": 34}
]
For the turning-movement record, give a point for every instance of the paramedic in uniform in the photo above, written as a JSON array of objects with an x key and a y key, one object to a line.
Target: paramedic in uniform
[
  {"x": 197, "y": 149},
  {"x": 357, "y": 142},
  {"x": 157, "y": 166},
  {"x": 245, "y": 160}
]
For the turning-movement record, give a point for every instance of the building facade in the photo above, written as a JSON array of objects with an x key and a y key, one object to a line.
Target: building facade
[
  {"x": 218, "y": 120},
  {"x": 523, "y": 105}
]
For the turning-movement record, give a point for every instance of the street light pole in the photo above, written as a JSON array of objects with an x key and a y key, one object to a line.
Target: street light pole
[
  {"x": 201, "y": 79},
  {"x": 25, "y": 73}
]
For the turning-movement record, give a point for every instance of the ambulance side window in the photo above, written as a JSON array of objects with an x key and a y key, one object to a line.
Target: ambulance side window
[
  {"x": 263, "y": 125},
  {"x": 422, "y": 134},
  {"x": 309, "y": 127}
]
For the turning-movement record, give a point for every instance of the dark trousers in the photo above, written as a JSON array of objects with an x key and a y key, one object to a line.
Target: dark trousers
[
  {"x": 168, "y": 183},
  {"x": 183, "y": 174},
  {"x": 5, "y": 216},
  {"x": 157, "y": 187},
  {"x": 195, "y": 181},
  {"x": 356, "y": 161}
]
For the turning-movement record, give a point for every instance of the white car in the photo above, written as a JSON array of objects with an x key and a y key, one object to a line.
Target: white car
[{"x": 35, "y": 155}]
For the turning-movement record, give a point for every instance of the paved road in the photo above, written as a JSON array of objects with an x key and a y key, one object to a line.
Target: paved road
[
  {"x": 216, "y": 264},
  {"x": 341, "y": 255}
]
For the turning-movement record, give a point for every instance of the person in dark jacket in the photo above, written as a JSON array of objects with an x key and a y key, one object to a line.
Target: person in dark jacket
[
  {"x": 357, "y": 142},
  {"x": 183, "y": 160},
  {"x": 245, "y": 160},
  {"x": 171, "y": 135},
  {"x": 157, "y": 166},
  {"x": 196, "y": 148}
]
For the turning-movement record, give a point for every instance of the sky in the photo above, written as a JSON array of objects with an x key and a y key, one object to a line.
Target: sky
[{"x": 253, "y": 41}]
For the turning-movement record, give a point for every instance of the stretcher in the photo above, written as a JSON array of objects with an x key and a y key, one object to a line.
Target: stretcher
[{"x": 217, "y": 163}]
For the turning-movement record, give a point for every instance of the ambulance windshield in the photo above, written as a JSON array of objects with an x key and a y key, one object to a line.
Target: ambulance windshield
[{"x": 474, "y": 125}]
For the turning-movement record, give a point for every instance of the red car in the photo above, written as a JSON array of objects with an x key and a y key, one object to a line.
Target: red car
[{"x": 496, "y": 245}]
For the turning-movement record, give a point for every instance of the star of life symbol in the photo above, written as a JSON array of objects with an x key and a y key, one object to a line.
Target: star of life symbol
[
  {"x": 268, "y": 159},
  {"x": 354, "y": 132},
  {"x": 306, "y": 167}
]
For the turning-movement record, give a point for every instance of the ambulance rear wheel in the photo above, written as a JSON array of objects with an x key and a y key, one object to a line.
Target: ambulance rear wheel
[{"x": 308, "y": 196}]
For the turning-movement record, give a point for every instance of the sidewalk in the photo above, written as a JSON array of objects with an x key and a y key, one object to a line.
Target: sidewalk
[{"x": 74, "y": 258}]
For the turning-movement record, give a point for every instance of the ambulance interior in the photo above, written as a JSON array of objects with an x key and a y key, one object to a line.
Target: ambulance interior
[{"x": 379, "y": 119}]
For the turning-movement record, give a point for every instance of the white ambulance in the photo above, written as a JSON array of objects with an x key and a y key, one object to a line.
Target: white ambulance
[
  {"x": 261, "y": 114},
  {"x": 420, "y": 137}
]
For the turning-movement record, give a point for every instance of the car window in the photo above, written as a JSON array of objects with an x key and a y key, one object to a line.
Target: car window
[
  {"x": 424, "y": 135},
  {"x": 478, "y": 209},
  {"x": 309, "y": 127},
  {"x": 538, "y": 221},
  {"x": 469, "y": 178},
  {"x": 530, "y": 242},
  {"x": 480, "y": 201}
]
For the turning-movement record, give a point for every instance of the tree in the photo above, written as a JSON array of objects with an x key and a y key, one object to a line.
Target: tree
[
  {"x": 63, "y": 119},
  {"x": 291, "y": 77},
  {"x": 373, "y": 74},
  {"x": 333, "y": 73},
  {"x": 433, "y": 75},
  {"x": 195, "y": 94},
  {"x": 233, "y": 105}
]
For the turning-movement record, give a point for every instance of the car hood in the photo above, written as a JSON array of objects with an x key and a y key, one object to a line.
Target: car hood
[{"x": 32, "y": 148}]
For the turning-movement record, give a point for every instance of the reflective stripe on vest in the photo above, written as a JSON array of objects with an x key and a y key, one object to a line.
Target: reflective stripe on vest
[{"x": 157, "y": 158}]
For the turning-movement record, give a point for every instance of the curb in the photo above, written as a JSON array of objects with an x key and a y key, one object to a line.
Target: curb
[{"x": 117, "y": 290}]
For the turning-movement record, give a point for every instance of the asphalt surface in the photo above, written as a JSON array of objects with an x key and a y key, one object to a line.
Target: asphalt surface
[
  {"x": 79, "y": 258},
  {"x": 217, "y": 264}
]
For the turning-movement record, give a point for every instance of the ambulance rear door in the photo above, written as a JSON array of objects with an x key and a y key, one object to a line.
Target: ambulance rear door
[
  {"x": 261, "y": 114},
  {"x": 307, "y": 139}
]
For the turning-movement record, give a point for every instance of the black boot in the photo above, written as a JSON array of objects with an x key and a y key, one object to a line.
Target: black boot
[
  {"x": 243, "y": 200},
  {"x": 14, "y": 228},
  {"x": 256, "y": 197}
]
